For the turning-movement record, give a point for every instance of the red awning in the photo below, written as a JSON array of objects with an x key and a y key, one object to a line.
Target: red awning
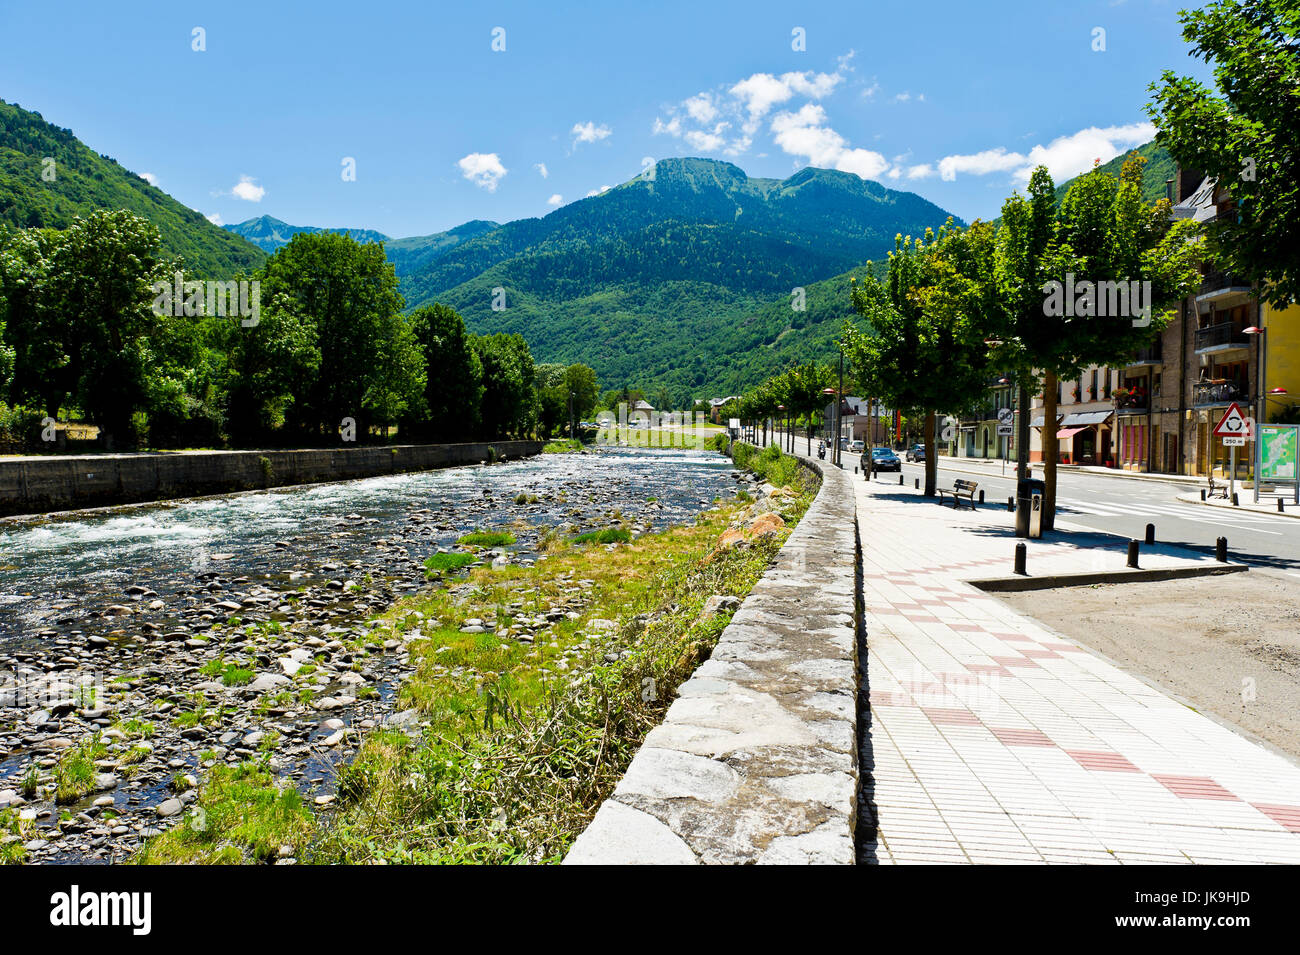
[{"x": 1068, "y": 432}]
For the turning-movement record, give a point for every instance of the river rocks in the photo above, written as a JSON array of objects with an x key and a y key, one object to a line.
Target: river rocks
[
  {"x": 262, "y": 652},
  {"x": 720, "y": 603}
]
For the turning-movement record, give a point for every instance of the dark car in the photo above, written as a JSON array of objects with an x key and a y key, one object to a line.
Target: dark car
[
  {"x": 882, "y": 459},
  {"x": 915, "y": 453}
]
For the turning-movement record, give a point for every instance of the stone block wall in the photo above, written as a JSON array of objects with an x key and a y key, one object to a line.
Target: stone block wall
[{"x": 756, "y": 760}]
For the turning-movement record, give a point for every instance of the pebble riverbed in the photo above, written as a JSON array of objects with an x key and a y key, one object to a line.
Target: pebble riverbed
[{"x": 107, "y": 623}]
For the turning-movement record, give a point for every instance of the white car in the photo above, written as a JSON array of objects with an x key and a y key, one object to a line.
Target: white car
[{"x": 856, "y": 447}]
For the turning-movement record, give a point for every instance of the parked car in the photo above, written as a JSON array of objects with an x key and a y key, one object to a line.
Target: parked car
[
  {"x": 883, "y": 459},
  {"x": 856, "y": 447},
  {"x": 916, "y": 453}
]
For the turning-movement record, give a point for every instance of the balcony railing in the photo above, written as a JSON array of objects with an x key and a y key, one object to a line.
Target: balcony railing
[
  {"x": 1151, "y": 355},
  {"x": 1218, "y": 392},
  {"x": 1130, "y": 402},
  {"x": 1221, "y": 281},
  {"x": 1224, "y": 333}
]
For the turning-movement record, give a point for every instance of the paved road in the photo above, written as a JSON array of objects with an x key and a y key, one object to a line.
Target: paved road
[{"x": 1125, "y": 506}]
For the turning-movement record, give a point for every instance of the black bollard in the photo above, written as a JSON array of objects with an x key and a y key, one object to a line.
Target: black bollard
[
  {"x": 1011, "y": 504},
  {"x": 1133, "y": 552},
  {"x": 981, "y": 497},
  {"x": 1151, "y": 534},
  {"x": 900, "y": 480},
  {"x": 1221, "y": 550},
  {"x": 1202, "y": 494},
  {"x": 917, "y": 484},
  {"x": 1280, "y": 508},
  {"x": 1021, "y": 552},
  {"x": 1234, "y": 499}
]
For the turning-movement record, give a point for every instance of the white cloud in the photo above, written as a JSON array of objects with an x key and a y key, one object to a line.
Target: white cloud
[
  {"x": 555, "y": 200},
  {"x": 149, "y": 178},
  {"x": 727, "y": 119},
  {"x": 805, "y": 134},
  {"x": 701, "y": 108},
  {"x": 1064, "y": 157},
  {"x": 248, "y": 190},
  {"x": 921, "y": 171},
  {"x": 596, "y": 192},
  {"x": 902, "y": 97},
  {"x": 542, "y": 170},
  {"x": 979, "y": 164},
  {"x": 482, "y": 169},
  {"x": 1068, "y": 156},
  {"x": 871, "y": 90},
  {"x": 589, "y": 133},
  {"x": 214, "y": 218}
]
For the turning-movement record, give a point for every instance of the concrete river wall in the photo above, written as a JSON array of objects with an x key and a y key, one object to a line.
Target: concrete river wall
[{"x": 32, "y": 485}]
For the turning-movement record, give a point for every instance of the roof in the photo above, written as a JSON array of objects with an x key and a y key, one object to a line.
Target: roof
[
  {"x": 1199, "y": 206},
  {"x": 1083, "y": 419}
]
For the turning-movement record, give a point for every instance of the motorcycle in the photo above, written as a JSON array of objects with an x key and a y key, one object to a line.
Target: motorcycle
[{"x": 821, "y": 451}]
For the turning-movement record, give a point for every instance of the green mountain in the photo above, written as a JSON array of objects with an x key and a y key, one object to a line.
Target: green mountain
[
  {"x": 679, "y": 281},
  {"x": 414, "y": 254},
  {"x": 269, "y": 233},
  {"x": 84, "y": 181}
]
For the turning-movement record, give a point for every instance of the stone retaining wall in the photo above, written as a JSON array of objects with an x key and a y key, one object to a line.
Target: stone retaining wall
[
  {"x": 37, "y": 484},
  {"x": 756, "y": 761}
]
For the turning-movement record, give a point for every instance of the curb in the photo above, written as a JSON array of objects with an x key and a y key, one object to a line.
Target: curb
[
  {"x": 1191, "y": 499},
  {"x": 1006, "y": 584},
  {"x": 1073, "y": 469}
]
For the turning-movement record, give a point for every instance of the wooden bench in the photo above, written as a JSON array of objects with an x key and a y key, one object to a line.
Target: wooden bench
[
  {"x": 1217, "y": 490},
  {"x": 960, "y": 489}
]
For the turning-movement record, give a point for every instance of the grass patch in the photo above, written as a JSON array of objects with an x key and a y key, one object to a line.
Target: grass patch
[
  {"x": 486, "y": 539},
  {"x": 12, "y": 851},
  {"x": 771, "y": 464},
  {"x": 245, "y": 818},
  {"x": 609, "y": 535},
  {"x": 74, "y": 775},
  {"x": 445, "y": 563},
  {"x": 562, "y": 446}
]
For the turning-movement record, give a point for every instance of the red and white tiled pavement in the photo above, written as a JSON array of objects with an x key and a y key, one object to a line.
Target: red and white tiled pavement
[{"x": 995, "y": 740}]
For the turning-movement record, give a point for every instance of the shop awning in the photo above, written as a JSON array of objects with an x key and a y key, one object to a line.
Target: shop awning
[
  {"x": 1068, "y": 432},
  {"x": 1084, "y": 419}
]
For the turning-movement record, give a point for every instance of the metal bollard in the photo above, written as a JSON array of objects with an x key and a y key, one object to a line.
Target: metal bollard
[
  {"x": 917, "y": 484},
  {"x": 900, "y": 480},
  {"x": 1011, "y": 504},
  {"x": 1151, "y": 534},
  {"x": 981, "y": 497},
  {"x": 1021, "y": 552},
  {"x": 1221, "y": 550},
  {"x": 1280, "y": 508},
  {"x": 1234, "y": 499},
  {"x": 1202, "y": 494},
  {"x": 1133, "y": 552}
]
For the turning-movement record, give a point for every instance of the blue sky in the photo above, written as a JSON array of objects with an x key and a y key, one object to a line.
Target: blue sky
[{"x": 948, "y": 98}]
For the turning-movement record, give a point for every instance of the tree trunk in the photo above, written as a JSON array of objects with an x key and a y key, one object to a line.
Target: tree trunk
[
  {"x": 931, "y": 456},
  {"x": 1051, "y": 450}
]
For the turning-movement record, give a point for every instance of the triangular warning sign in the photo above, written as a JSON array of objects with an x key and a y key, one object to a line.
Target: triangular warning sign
[{"x": 1233, "y": 424}]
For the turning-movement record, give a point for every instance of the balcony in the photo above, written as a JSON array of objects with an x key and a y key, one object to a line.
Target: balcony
[
  {"x": 1206, "y": 393},
  {"x": 1217, "y": 286},
  {"x": 1130, "y": 402},
  {"x": 1151, "y": 355},
  {"x": 1224, "y": 336}
]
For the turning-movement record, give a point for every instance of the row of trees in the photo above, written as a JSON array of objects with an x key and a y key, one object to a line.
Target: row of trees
[
  {"x": 82, "y": 333},
  {"x": 964, "y": 307},
  {"x": 796, "y": 395}
]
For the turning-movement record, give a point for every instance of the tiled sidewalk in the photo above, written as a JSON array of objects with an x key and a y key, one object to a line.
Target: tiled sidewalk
[{"x": 993, "y": 740}]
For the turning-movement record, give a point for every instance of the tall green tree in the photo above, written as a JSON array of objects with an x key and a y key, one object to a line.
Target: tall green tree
[
  {"x": 370, "y": 364},
  {"x": 1243, "y": 134},
  {"x": 920, "y": 349},
  {"x": 509, "y": 399},
  {"x": 453, "y": 382}
]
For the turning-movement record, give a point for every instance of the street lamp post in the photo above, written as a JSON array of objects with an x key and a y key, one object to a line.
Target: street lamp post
[{"x": 1022, "y": 449}]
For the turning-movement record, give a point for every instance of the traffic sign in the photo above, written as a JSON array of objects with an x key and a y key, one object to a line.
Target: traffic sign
[
  {"x": 1004, "y": 431},
  {"x": 1232, "y": 427},
  {"x": 1006, "y": 416}
]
